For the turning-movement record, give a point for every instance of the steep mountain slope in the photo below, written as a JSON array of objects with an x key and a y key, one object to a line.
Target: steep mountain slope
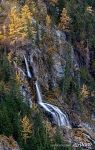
[{"x": 53, "y": 43}]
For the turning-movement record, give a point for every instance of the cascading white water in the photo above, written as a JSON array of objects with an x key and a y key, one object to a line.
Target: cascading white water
[
  {"x": 59, "y": 117},
  {"x": 27, "y": 67},
  {"x": 38, "y": 93}
]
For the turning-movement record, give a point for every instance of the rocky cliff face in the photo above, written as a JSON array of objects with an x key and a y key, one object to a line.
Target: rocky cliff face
[
  {"x": 54, "y": 67},
  {"x": 48, "y": 62},
  {"x": 62, "y": 71}
]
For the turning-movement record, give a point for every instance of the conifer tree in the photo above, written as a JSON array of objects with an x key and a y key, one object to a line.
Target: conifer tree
[
  {"x": 26, "y": 128},
  {"x": 26, "y": 20},
  {"x": 64, "y": 20},
  {"x": 15, "y": 23}
]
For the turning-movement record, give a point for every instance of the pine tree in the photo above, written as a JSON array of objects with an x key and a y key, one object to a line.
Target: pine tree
[{"x": 12, "y": 107}]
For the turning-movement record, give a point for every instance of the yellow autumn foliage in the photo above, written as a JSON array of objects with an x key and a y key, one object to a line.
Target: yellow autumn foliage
[
  {"x": 18, "y": 77},
  {"x": 1, "y": 35},
  {"x": 64, "y": 20},
  {"x": 25, "y": 13},
  {"x": 26, "y": 17},
  {"x": 15, "y": 22},
  {"x": 48, "y": 20},
  {"x": 84, "y": 91},
  {"x": 26, "y": 128},
  {"x": 20, "y": 22},
  {"x": 9, "y": 57}
]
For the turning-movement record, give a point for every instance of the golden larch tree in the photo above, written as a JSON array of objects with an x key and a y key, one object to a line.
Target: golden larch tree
[
  {"x": 84, "y": 91},
  {"x": 14, "y": 23},
  {"x": 64, "y": 20},
  {"x": 26, "y": 20},
  {"x": 26, "y": 128},
  {"x": 20, "y": 22}
]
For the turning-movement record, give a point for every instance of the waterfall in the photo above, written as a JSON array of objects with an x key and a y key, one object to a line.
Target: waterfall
[
  {"x": 27, "y": 67},
  {"x": 59, "y": 118},
  {"x": 38, "y": 93}
]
